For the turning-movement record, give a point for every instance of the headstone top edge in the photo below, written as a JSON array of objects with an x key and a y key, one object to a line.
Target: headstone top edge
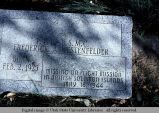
[{"x": 4, "y": 13}]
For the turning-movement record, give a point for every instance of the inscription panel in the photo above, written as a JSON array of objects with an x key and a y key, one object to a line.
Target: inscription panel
[{"x": 86, "y": 72}]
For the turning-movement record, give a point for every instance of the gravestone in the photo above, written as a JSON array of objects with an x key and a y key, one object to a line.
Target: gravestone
[{"x": 66, "y": 54}]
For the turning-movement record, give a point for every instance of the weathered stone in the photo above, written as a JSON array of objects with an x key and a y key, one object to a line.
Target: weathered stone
[{"x": 66, "y": 54}]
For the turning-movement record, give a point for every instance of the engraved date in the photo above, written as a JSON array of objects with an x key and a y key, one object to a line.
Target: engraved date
[{"x": 21, "y": 67}]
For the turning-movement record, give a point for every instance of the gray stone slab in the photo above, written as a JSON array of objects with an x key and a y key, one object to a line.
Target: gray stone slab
[{"x": 66, "y": 54}]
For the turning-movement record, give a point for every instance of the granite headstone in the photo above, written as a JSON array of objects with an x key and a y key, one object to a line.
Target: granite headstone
[{"x": 66, "y": 54}]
